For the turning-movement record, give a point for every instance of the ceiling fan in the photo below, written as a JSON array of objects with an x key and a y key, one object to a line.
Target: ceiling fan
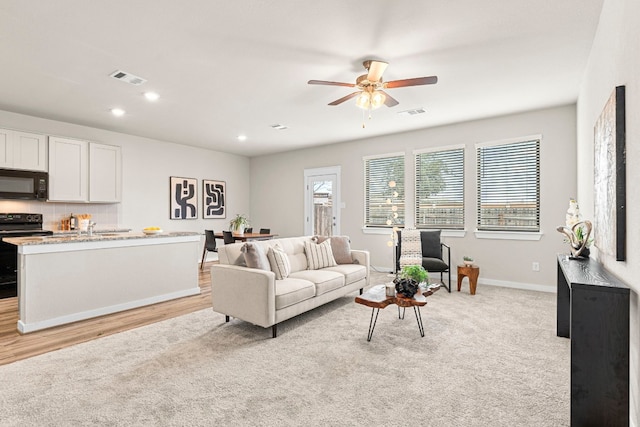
[{"x": 370, "y": 94}]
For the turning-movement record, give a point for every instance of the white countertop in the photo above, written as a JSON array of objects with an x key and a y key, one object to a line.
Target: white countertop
[
  {"x": 74, "y": 242},
  {"x": 101, "y": 236}
]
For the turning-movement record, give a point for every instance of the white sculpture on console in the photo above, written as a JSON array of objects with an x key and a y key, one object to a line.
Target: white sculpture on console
[{"x": 578, "y": 232}]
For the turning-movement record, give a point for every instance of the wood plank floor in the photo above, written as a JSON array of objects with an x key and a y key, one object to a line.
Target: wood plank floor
[{"x": 14, "y": 346}]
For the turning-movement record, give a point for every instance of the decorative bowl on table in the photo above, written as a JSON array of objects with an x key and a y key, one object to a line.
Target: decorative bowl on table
[{"x": 149, "y": 231}]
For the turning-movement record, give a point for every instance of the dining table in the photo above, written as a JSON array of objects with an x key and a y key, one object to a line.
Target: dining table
[{"x": 248, "y": 236}]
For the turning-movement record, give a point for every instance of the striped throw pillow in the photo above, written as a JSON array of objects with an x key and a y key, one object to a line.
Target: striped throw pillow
[
  {"x": 279, "y": 262},
  {"x": 319, "y": 255}
]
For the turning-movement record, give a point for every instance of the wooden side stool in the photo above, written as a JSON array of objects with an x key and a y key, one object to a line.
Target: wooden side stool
[{"x": 470, "y": 271}]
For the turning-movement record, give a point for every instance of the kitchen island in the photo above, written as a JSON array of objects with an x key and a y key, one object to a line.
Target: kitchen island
[{"x": 63, "y": 279}]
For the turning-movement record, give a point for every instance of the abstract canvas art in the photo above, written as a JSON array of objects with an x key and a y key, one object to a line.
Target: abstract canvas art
[
  {"x": 214, "y": 194},
  {"x": 183, "y": 198},
  {"x": 610, "y": 177}
]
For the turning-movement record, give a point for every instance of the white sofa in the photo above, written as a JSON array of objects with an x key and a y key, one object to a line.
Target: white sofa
[{"x": 255, "y": 296}]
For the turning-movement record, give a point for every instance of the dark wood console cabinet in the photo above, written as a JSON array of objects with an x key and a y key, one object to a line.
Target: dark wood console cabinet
[{"x": 593, "y": 310}]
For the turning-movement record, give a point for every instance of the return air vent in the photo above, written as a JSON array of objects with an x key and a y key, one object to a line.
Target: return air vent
[
  {"x": 412, "y": 112},
  {"x": 127, "y": 77}
]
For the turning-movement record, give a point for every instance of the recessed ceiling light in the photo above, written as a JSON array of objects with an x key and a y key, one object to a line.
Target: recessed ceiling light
[
  {"x": 242, "y": 137},
  {"x": 151, "y": 96},
  {"x": 117, "y": 112}
]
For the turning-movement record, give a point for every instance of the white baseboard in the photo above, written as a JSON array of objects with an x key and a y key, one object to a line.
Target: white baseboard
[{"x": 490, "y": 282}]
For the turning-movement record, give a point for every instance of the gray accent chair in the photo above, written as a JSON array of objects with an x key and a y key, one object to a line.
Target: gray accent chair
[{"x": 436, "y": 256}]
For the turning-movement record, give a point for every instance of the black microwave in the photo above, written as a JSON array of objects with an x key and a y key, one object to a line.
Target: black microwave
[{"x": 24, "y": 185}]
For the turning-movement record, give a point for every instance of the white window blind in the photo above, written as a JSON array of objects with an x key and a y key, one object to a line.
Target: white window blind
[
  {"x": 509, "y": 186},
  {"x": 440, "y": 189},
  {"x": 384, "y": 204}
]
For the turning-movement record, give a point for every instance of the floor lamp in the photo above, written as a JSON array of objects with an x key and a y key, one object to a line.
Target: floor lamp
[{"x": 393, "y": 217}]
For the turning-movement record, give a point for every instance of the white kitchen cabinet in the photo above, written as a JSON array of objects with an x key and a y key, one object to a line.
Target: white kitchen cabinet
[
  {"x": 68, "y": 170},
  {"x": 82, "y": 171},
  {"x": 23, "y": 150},
  {"x": 105, "y": 174}
]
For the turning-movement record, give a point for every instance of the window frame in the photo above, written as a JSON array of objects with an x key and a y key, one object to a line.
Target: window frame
[
  {"x": 445, "y": 151},
  {"x": 399, "y": 202},
  {"x": 519, "y": 232}
]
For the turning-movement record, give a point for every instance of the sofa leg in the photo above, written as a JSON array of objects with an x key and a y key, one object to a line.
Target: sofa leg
[
  {"x": 274, "y": 331},
  {"x": 226, "y": 319}
]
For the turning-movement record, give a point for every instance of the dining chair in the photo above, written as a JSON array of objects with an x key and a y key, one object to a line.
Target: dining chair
[
  {"x": 265, "y": 231},
  {"x": 209, "y": 245},
  {"x": 248, "y": 230},
  {"x": 228, "y": 238}
]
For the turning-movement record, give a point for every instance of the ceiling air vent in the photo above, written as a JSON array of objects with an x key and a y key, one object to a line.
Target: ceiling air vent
[
  {"x": 279, "y": 127},
  {"x": 127, "y": 77},
  {"x": 412, "y": 112}
]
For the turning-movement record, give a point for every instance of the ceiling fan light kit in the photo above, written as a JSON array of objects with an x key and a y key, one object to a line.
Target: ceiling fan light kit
[
  {"x": 370, "y": 94},
  {"x": 370, "y": 100}
]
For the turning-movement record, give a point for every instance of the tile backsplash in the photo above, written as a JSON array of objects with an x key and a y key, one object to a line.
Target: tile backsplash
[{"x": 104, "y": 215}]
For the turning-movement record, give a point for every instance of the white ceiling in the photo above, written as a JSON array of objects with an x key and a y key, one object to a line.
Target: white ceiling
[{"x": 225, "y": 68}]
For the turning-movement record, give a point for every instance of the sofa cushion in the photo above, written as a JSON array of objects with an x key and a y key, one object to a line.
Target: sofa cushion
[
  {"x": 351, "y": 272},
  {"x": 291, "y": 291},
  {"x": 340, "y": 246},
  {"x": 319, "y": 255},
  {"x": 255, "y": 256},
  {"x": 279, "y": 262},
  {"x": 325, "y": 280}
]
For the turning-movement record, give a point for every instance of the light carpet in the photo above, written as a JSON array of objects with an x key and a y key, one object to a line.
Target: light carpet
[{"x": 492, "y": 359}]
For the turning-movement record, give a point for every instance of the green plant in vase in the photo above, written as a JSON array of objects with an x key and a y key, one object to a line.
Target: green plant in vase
[
  {"x": 239, "y": 223},
  {"x": 415, "y": 272},
  {"x": 411, "y": 276}
]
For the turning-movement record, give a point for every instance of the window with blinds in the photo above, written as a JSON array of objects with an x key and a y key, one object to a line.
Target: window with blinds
[
  {"x": 509, "y": 186},
  {"x": 384, "y": 191},
  {"x": 439, "y": 189}
]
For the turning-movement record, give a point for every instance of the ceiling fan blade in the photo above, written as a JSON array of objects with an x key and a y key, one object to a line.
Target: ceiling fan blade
[
  {"x": 412, "y": 82},
  {"x": 389, "y": 101},
  {"x": 323, "y": 82},
  {"x": 345, "y": 98},
  {"x": 376, "y": 69}
]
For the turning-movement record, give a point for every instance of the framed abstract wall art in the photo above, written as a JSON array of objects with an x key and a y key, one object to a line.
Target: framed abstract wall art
[
  {"x": 610, "y": 176},
  {"x": 183, "y": 198},
  {"x": 214, "y": 195}
]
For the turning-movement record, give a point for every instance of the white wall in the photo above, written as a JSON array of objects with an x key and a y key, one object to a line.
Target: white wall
[
  {"x": 277, "y": 191},
  {"x": 147, "y": 165},
  {"x": 614, "y": 61}
]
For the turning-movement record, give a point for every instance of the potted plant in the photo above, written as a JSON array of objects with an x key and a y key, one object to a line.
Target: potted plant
[
  {"x": 467, "y": 260},
  {"x": 583, "y": 239},
  {"x": 239, "y": 223},
  {"x": 411, "y": 276},
  {"x": 415, "y": 272}
]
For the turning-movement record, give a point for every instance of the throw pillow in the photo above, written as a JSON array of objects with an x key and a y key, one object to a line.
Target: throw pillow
[
  {"x": 341, "y": 247},
  {"x": 255, "y": 257},
  {"x": 279, "y": 262},
  {"x": 319, "y": 255},
  {"x": 431, "y": 244}
]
